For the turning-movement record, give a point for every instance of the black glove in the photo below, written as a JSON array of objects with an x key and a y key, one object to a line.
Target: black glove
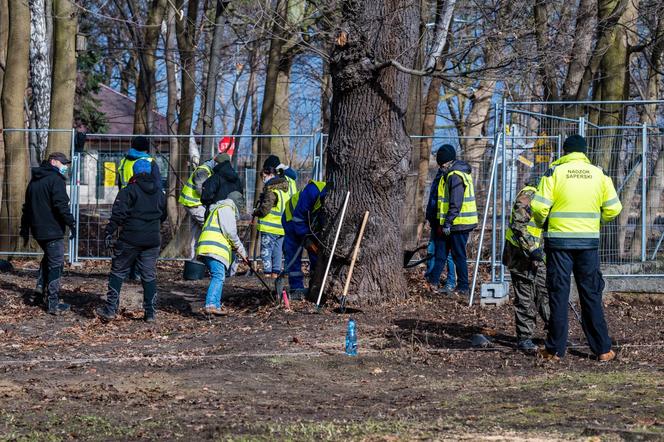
[
  {"x": 72, "y": 232},
  {"x": 108, "y": 241},
  {"x": 537, "y": 255}
]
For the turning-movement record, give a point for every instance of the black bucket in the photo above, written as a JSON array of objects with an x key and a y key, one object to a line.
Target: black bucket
[{"x": 193, "y": 270}]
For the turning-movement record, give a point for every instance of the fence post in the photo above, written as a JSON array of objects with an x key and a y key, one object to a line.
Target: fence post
[
  {"x": 503, "y": 190},
  {"x": 644, "y": 187},
  {"x": 494, "y": 199},
  {"x": 582, "y": 126},
  {"x": 73, "y": 189}
]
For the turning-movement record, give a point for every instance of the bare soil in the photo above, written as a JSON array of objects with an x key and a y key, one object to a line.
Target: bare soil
[{"x": 263, "y": 373}]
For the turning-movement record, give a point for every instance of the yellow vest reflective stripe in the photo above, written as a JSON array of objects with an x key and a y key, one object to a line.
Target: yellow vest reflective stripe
[
  {"x": 271, "y": 223},
  {"x": 573, "y": 198},
  {"x": 292, "y": 187},
  {"x": 532, "y": 228},
  {"x": 468, "y": 212},
  {"x": 126, "y": 170},
  {"x": 292, "y": 203},
  {"x": 189, "y": 197},
  {"x": 212, "y": 240}
]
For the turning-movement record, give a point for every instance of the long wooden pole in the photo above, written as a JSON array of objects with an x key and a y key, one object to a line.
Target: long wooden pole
[{"x": 354, "y": 258}]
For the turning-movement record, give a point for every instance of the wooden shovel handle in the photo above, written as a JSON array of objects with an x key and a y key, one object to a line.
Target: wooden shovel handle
[{"x": 355, "y": 252}]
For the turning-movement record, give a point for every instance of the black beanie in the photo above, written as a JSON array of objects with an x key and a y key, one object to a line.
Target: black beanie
[
  {"x": 140, "y": 143},
  {"x": 575, "y": 143},
  {"x": 271, "y": 162},
  {"x": 446, "y": 153}
]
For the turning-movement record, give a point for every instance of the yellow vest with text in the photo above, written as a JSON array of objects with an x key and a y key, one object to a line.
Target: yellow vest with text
[
  {"x": 292, "y": 203},
  {"x": 468, "y": 212},
  {"x": 532, "y": 228},
  {"x": 126, "y": 170},
  {"x": 271, "y": 223},
  {"x": 212, "y": 240},
  {"x": 189, "y": 196},
  {"x": 572, "y": 199}
]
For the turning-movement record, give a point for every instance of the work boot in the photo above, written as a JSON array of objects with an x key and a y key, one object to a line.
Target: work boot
[
  {"x": 109, "y": 310},
  {"x": 52, "y": 295},
  {"x": 526, "y": 345},
  {"x": 462, "y": 293},
  {"x": 606, "y": 357},
  {"x": 544, "y": 354},
  {"x": 447, "y": 290},
  {"x": 211, "y": 310},
  {"x": 149, "y": 299}
]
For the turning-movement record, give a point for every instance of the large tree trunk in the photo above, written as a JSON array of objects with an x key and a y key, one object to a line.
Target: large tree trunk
[
  {"x": 148, "y": 61},
  {"x": 186, "y": 38},
  {"x": 64, "y": 74},
  {"x": 475, "y": 147},
  {"x": 280, "y": 146},
  {"x": 171, "y": 118},
  {"x": 586, "y": 19},
  {"x": 4, "y": 33},
  {"x": 17, "y": 172},
  {"x": 40, "y": 76},
  {"x": 369, "y": 148}
]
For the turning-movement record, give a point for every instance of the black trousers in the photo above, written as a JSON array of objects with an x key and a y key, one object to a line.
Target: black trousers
[
  {"x": 590, "y": 284},
  {"x": 51, "y": 269}
]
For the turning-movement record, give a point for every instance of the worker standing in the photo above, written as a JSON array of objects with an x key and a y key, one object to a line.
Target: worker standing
[
  {"x": 284, "y": 171},
  {"x": 138, "y": 211},
  {"x": 216, "y": 245},
  {"x": 524, "y": 256},
  {"x": 572, "y": 199},
  {"x": 457, "y": 217},
  {"x": 190, "y": 198},
  {"x": 140, "y": 148},
  {"x": 300, "y": 220},
  {"x": 223, "y": 181},
  {"x": 437, "y": 239},
  {"x": 46, "y": 214},
  {"x": 270, "y": 208}
]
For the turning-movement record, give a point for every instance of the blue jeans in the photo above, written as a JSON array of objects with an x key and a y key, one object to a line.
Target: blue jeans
[
  {"x": 455, "y": 244},
  {"x": 218, "y": 271},
  {"x": 271, "y": 252},
  {"x": 451, "y": 269}
]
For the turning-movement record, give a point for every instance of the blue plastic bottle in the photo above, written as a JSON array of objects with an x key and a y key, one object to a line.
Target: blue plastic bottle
[{"x": 351, "y": 339}]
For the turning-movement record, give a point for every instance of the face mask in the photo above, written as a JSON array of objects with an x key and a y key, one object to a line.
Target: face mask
[
  {"x": 266, "y": 179},
  {"x": 63, "y": 170}
]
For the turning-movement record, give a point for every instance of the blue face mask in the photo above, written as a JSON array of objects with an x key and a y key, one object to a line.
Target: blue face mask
[{"x": 63, "y": 170}]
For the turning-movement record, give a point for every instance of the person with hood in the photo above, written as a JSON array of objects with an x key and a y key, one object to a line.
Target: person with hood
[
  {"x": 216, "y": 245},
  {"x": 300, "y": 219},
  {"x": 223, "y": 181},
  {"x": 190, "y": 198},
  {"x": 46, "y": 213},
  {"x": 138, "y": 211},
  {"x": 431, "y": 215},
  {"x": 524, "y": 257},
  {"x": 140, "y": 147},
  {"x": 457, "y": 217},
  {"x": 271, "y": 205}
]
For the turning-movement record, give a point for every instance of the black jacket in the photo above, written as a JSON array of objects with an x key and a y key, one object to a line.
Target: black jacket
[
  {"x": 223, "y": 181},
  {"x": 46, "y": 208},
  {"x": 456, "y": 188},
  {"x": 138, "y": 210}
]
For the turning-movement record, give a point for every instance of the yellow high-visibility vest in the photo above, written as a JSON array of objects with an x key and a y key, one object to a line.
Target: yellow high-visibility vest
[
  {"x": 212, "y": 240},
  {"x": 573, "y": 197},
  {"x": 292, "y": 186},
  {"x": 532, "y": 228},
  {"x": 271, "y": 223},
  {"x": 292, "y": 202},
  {"x": 126, "y": 169},
  {"x": 468, "y": 212},
  {"x": 189, "y": 196}
]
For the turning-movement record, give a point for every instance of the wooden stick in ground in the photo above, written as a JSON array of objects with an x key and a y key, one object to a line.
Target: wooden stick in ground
[
  {"x": 334, "y": 247},
  {"x": 353, "y": 258}
]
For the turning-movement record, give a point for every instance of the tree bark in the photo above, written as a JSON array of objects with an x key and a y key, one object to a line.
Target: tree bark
[
  {"x": 40, "y": 76},
  {"x": 17, "y": 172},
  {"x": 4, "y": 34},
  {"x": 586, "y": 19},
  {"x": 546, "y": 70},
  {"x": 171, "y": 118},
  {"x": 369, "y": 148},
  {"x": 147, "y": 47},
  {"x": 63, "y": 85}
]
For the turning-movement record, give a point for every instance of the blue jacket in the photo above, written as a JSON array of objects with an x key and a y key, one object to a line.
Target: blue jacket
[
  {"x": 305, "y": 204},
  {"x": 432, "y": 205}
]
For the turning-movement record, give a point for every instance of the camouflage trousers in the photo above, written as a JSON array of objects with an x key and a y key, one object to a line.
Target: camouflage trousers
[{"x": 530, "y": 295}]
